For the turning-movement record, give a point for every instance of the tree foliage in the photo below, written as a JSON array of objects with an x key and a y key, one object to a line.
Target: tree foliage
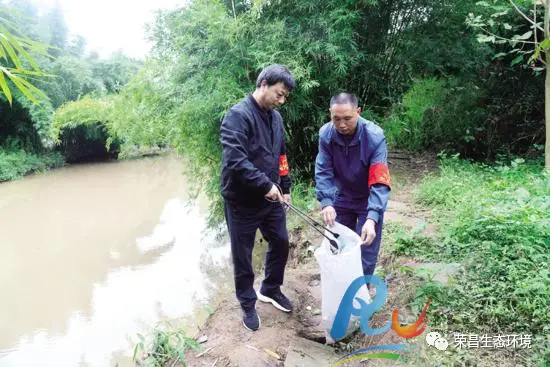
[
  {"x": 42, "y": 69},
  {"x": 517, "y": 26},
  {"x": 528, "y": 41},
  {"x": 17, "y": 65},
  {"x": 83, "y": 131},
  {"x": 384, "y": 51},
  {"x": 207, "y": 55}
]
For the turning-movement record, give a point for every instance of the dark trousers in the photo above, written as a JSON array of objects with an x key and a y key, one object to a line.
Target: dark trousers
[
  {"x": 242, "y": 224},
  {"x": 355, "y": 219}
]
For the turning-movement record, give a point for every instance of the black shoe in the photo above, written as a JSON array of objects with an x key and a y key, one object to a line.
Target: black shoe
[
  {"x": 251, "y": 320},
  {"x": 277, "y": 299}
]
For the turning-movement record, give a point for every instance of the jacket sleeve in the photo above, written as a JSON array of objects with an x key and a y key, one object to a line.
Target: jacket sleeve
[
  {"x": 234, "y": 141},
  {"x": 325, "y": 187},
  {"x": 379, "y": 182},
  {"x": 284, "y": 170}
]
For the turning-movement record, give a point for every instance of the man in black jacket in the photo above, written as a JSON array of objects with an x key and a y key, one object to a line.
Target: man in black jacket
[{"x": 253, "y": 163}]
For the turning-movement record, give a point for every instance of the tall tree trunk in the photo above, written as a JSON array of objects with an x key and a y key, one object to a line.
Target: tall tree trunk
[
  {"x": 547, "y": 116},
  {"x": 547, "y": 87}
]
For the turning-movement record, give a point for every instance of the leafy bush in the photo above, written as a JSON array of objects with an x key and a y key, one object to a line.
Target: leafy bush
[
  {"x": 26, "y": 123},
  {"x": 143, "y": 113},
  {"x": 82, "y": 130},
  {"x": 168, "y": 345},
  {"x": 405, "y": 127},
  {"x": 15, "y": 164},
  {"x": 479, "y": 118}
]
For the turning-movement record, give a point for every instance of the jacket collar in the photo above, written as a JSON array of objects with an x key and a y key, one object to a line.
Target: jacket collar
[{"x": 265, "y": 113}]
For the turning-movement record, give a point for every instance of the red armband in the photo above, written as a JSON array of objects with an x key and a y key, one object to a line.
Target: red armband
[
  {"x": 283, "y": 165},
  {"x": 379, "y": 174}
]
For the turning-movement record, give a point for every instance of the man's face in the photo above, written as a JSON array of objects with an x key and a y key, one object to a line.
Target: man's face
[
  {"x": 344, "y": 117},
  {"x": 273, "y": 96}
]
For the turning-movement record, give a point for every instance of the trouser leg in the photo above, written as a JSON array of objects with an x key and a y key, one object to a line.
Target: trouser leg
[
  {"x": 242, "y": 225},
  {"x": 369, "y": 254},
  {"x": 273, "y": 228}
]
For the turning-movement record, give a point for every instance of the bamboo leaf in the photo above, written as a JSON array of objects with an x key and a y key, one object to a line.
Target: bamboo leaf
[
  {"x": 5, "y": 86},
  {"x": 17, "y": 44},
  {"x": 9, "y": 26},
  {"x": 37, "y": 47},
  {"x": 10, "y": 51},
  {"x": 17, "y": 81},
  {"x": 33, "y": 89},
  {"x": 32, "y": 73}
]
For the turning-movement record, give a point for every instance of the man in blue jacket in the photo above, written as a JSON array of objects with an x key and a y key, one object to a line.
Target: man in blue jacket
[
  {"x": 253, "y": 162},
  {"x": 352, "y": 177}
]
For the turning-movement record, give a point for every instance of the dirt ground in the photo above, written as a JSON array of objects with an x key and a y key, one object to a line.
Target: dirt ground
[{"x": 230, "y": 344}]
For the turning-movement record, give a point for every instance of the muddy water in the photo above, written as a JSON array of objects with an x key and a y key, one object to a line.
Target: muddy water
[{"x": 91, "y": 255}]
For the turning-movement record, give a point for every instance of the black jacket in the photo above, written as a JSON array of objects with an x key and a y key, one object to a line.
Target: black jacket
[{"x": 254, "y": 153}]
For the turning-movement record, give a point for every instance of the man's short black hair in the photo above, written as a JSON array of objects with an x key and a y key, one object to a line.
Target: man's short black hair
[
  {"x": 274, "y": 74},
  {"x": 345, "y": 98}
]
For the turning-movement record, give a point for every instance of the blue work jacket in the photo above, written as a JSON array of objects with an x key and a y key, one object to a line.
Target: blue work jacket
[{"x": 353, "y": 172}]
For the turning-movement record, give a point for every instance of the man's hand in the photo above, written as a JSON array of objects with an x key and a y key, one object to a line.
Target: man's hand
[
  {"x": 368, "y": 232},
  {"x": 274, "y": 194},
  {"x": 329, "y": 215},
  {"x": 287, "y": 198}
]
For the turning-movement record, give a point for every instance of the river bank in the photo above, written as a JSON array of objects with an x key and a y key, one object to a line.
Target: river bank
[
  {"x": 415, "y": 264},
  {"x": 16, "y": 164}
]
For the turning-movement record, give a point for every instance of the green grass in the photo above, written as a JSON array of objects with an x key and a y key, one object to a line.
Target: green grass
[
  {"x": 167, "y": 344},
  {"x": 303, "y": 196},
  {"x": 15, "y": 164},
  {"x": 494, "y": 220}
]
